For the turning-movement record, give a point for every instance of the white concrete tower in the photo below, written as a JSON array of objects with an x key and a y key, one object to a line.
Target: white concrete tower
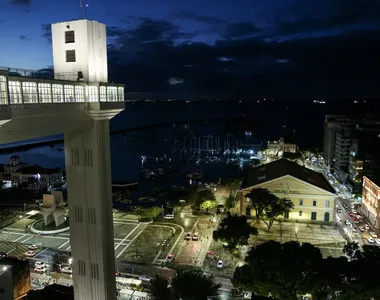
[
  {"x": 80, "y": 108},
  {"x": 80, "y": 48}
]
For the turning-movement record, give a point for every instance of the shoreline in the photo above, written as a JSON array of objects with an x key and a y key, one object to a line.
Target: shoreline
[{"x": 53, "y": 142}]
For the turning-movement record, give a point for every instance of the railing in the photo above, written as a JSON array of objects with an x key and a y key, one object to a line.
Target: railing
[{"x": 44, "y": 73}]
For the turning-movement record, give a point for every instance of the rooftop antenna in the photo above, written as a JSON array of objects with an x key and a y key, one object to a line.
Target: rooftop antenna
[
  {"x": 80, "y": 6},
  {"x": 86, "y": 6}
]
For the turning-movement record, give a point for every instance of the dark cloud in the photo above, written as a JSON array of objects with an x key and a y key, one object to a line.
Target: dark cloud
[
  {"x": 198, "y": 18},
  {"x": 25, "y": 38},
  {"x": 241, "y": 29},
  {"x": 21, "y": 2}
]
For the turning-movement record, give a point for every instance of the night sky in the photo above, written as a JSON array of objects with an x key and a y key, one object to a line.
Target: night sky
[{"x": 219, "y": 48}]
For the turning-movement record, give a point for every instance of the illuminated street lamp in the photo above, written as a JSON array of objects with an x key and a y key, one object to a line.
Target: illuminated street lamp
[{"x": 70, "y": 261}]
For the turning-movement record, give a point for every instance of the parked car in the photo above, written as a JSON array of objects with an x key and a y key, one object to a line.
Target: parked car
[
  {"x": 373, "y": 234},
  {"x": 170, "y": 257},
  {"x": 30, "y": 253},
  {"x": 370, "y": 239},
  {"x": 377, "y": 240},
  {"x": 339, "y": 210},
  {"x": 67, "y": 270},
  {"x": 347, "y": 222},
  {"x": 361, "y": 228},
  {"x": 39, "y": 269},
  {"x": 145, "y": 278},
  {"x": 32, "y": 247},
  {"x": 40, "y": 264},
  {"x": 195, "y": 236},
  {"x": 366, "y": 226},
  {"x": 188, "y": 236},
  {"x": 219, "y": 264},
  {"x": 169, "y": 217}
]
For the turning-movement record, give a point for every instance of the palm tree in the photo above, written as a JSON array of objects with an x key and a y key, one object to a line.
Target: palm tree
[{"x": 186, "y": 285}]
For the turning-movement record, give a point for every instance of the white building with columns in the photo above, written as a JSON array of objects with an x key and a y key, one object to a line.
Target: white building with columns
[{"x": 78, "y": 102}]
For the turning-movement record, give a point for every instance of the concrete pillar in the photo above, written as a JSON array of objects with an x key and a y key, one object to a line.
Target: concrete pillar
[{"x": 88, "y": 172}]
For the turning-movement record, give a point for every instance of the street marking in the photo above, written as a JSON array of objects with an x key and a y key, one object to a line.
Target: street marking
[
  {"x": 16, "y": 229},
  {"x": 136, "y": 236},
  {"x": 11, "y": 250},
  {"x": 68, "y": 248},
  {"x": 41, "y": 252},
  {"x": 21, "y": 237},
  {"x": 127, "y": 236},
  {"x": 26, "y": 239},
  {"x": 65, "y": 243}
]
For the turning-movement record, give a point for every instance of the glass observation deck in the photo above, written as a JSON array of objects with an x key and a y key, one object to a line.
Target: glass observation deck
[{"x": 18, "y": 87}]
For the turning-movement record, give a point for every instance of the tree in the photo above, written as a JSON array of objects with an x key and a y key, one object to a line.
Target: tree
[
  {"x": 203, "y": 196},
  {"x": 260, "y": 200},
  {"x": 229, "y": 202},
  {"x": 149, "y": 213},
  {"x": 276, "y": 208},
  {"x": 284, "y": 271},
  {"x": 209, "y": 204},
  {"x": 233, "y": 231},
  {"x": 187, "y": 285},
  {"x": 352, "y": 250},
  {"x": 231, "y": 184}
]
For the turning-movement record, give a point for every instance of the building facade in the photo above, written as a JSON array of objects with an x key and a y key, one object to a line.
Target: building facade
[
  {"x": 17, "y": 173},
  {"x": 371, "y": 200},
  {"x": 277, "y": 148},
  {"x": 311, "y": 194}
]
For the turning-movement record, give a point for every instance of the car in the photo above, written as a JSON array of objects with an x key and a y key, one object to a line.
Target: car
[
  {"x": 170, "y": 257},
  {"x": 169, "y": 217},
  {"x": 2, "y": 255},
  {"x": 345, "y": 205},
  {"x": 359, "y": 217},
  {"x": 40, "y": 264},
  {"x": 377, "y": 241},
  {"x": 145, "y": 278},
  {"x": 188, "y": 236},
  {"x": 354, "y": 212},
  {"x": 370, "y": 239},
  {"x": 339, "y": 210},
  {"x": 57, "y": 265},
  {"x": 373, "y": 234},
  {"x": 366, "y": 226},
  {"x": 30, "y": 253},
  {"x": 355, "y": 233},
  {"x": 32, "y": 247},
  {"x": 67, "y": 270},
  {"x": 347, "y": 222},
  {"x": 195, "y": 236},
  {"x": 361, "y": 228},
  {"x": 219, "y": 264},
  {"x": 39, "y": 269}
]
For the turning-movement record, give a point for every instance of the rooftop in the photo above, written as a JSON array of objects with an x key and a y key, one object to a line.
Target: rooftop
[{"x": 280, "y": 168}]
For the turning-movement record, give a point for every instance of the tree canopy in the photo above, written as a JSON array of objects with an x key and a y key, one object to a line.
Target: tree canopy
[
  {"x": 209, "y": 204},
  {"x": 186, "y": 285},
  {"x": 276, "y": 208},
  {"x": 290, "y": 270},
  {"x": 232, "y": 184},
  {"x": 149, "y": 213},
  {"x": 234, "y": 230}
]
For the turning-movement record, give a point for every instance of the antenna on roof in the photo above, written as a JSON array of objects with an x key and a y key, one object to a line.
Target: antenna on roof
[
  {"x": 86, "y": 6},
  {"x": 80, "y": 7}
]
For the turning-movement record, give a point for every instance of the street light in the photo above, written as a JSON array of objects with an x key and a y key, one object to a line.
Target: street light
[
  {"x": 5, "y": 268},
  {"x": 70, "y": 261}
]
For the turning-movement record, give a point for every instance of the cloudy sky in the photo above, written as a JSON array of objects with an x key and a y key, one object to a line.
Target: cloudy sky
[{"x": 217, "y": 48}]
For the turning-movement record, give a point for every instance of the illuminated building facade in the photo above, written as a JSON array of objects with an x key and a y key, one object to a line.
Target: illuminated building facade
[
  {"x": 78, "y": 102},
  {"x": 371, "y": 198},
  {"x": 277, "y": 148},
  {"x": 312, "y": 196}
]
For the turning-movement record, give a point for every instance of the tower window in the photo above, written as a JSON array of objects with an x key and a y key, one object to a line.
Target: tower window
[
  {"x": 70, "y": 55},
  {"x": 69, "y": 37}
]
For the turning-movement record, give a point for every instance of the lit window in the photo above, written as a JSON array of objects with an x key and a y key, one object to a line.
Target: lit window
[
  {"x": 327, "y": 203},
  {"x": 29, "y": 92},
  {"x": 70, "y": 56},
  {"x": 103, "y": 93},
  {"x": 69, "y": 93},
  {"x": 69, "y": 37},
  {"x": 79, "y": 93},
  {"x": 120, "y": 93},
  {"x": 44, "y": 92},
  {"x": 3, "y": 90},
  {"x": 57, "y": 91},
  {"x": 92, "y": 93},
  {"x": 15, "y": 92},
  {"x": 111, "y": 94}
]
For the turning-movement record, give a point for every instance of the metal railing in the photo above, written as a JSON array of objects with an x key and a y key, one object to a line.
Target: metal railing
[{"x": 44, "y": 73}]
